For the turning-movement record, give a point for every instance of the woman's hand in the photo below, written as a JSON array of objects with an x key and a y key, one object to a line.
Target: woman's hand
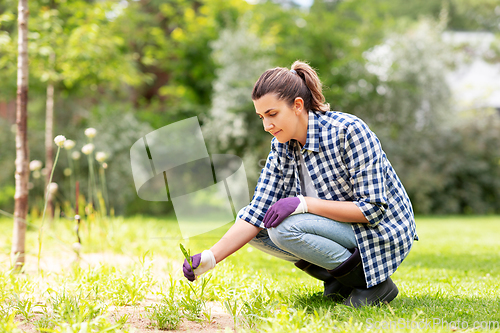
[
  {"x": 202, "y": 262},
  {"x": 284, "y": 208}
]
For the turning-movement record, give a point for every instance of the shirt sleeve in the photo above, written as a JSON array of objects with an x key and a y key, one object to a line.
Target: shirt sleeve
[
  {"x": 364, "y": 158},
  {"x": 269, "y": 188}
]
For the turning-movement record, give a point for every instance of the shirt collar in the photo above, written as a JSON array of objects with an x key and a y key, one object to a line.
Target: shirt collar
[{"x": 312, "y": 141}]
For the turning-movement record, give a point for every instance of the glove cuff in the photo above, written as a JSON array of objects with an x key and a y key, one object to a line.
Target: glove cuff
[
  {"x": 302, "y": 207},
  {"x": 207, "y": 262}
]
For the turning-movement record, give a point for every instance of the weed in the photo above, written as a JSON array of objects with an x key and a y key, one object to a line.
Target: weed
[
  {"x": 45, "y": 323},
  {"x": 187, "y": 255},
  {"x": 166, "y": 315},
  {"x": 8, "y": 325},
  {"x": 26, "y": 307},
  {"x": 258, "y": 306},
  {"x": 75, "y": 309},
  {"x": 234, "y": 309},
  {"x": 123, "y": 319},
  {"x": 193, "y": 301}
]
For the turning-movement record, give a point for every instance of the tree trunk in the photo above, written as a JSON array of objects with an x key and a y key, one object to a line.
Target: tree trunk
[
  {"x": 22, "y": 150},
  {"x": 49, "y": 121}
]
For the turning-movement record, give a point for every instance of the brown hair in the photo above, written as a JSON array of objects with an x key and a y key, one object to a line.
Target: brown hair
[{"x": 301, "y": 81}]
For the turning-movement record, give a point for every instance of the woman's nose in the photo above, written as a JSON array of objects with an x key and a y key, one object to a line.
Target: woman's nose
[{"x": 267, "y": 125}]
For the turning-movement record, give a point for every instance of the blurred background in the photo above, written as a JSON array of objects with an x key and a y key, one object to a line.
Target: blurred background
[{"x": 423, "y": 74}]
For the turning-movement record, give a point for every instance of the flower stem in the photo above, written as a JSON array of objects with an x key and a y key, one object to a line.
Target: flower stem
[
  {"x": 72, "y": 180},
  {"x": 40, "y": 232},
  {"x": 91, "y": 182},
  {"x": 104, "y": 190}
]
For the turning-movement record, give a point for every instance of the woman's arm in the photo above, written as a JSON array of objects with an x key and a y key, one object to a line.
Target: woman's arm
[
  {"x": 234, "y": 239},
  {"x": 342, "y": 211}
]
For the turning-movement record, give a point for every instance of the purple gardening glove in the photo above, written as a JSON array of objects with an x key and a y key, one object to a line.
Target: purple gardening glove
[
  {"x": 188, "y": 272},
  {"x": 282, "y": 209}
]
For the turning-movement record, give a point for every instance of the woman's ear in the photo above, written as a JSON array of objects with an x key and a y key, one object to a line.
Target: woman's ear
[{"x": 298, "y": 105}]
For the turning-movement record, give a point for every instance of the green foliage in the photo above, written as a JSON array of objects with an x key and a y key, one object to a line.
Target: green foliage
[
  {"x": 165, "y": 315},
  {"x": 457, "y": 169},
  {"x": 186, "y": 254},
  {"x": 129, "y": 67},
  {"x": 8, "y": 325},
  {"x": 193, "y": 299},
  {"x": 109, "y": 282}
]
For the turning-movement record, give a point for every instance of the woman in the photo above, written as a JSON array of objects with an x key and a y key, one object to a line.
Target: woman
[{"x": 327, "y": 200}]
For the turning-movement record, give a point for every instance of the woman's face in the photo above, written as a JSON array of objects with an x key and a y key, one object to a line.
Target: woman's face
[{"x": 279, "y": 119}]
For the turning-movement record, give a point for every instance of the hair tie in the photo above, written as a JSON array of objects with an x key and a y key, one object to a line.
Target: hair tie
[{"x": 293, "y": 71}]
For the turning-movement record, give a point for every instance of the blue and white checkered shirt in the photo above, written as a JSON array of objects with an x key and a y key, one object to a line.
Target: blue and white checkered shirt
[{"x": 346, "y": 163}]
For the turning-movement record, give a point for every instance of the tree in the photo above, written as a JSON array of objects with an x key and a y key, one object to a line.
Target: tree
[
  {"x": 22, "y": 151},
  {"x": 242, "y": 58}
]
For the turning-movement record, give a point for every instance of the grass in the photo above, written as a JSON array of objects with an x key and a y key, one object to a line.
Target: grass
[{"x": 450, "y": 280}]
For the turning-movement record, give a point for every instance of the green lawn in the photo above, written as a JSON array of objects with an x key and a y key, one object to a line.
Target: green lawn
[{"x": 129, "y": 279}]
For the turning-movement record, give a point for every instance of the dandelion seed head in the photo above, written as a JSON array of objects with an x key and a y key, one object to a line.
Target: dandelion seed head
[
  {"x": 88, "y": 149},
  {"x": 69, "y": 144},
  {"x": 77, "y": 247},
  {"x": 59, "y": 140},
  {"x": 35, "y": 165},
  {"x": 53, "y": 188},
  {"x": 90, "y": 132},
  {"x": 75, "y": 155},
  {"x": 101, "y": 156}
]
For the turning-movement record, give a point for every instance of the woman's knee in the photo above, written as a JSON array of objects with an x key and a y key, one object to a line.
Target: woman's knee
[{"x": 286, "y": 233}]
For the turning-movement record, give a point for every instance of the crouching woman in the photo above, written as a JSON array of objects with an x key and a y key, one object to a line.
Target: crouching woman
[{"x": 327, "y": 200}]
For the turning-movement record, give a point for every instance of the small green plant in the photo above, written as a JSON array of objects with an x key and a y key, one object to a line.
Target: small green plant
[
  {"x": 45, "y": 323},
  {"x": 193, "y": 301},
  {"x": 166, "y": 315},
  {"x": 25, "y": 307},
  {"x": 187, "y": 255},
  {"x": 122, "y": 320},
  {"x": 59, "y": 140},
  {"x": 233, "y": 309},
  {"x": 8, "y": 324},
  {"x": 75, "y": 309}
]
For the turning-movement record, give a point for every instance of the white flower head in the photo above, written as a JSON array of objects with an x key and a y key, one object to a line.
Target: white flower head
[
  {"x": 75, "y": 155},
  {"x": 101, "y": 156},
  {"x": 53, "y": 188},
  {"x": 88, "y": 149},
  {"x": 59, "y": 140},
  {"x": 105, "y": 165},
  {"x": 36, "y": 174},
  {"x": 67, "y": 172},
  {"x": 90, "y": 132},
  {"x": 35, "y": 165},
  {"x": 69, "y": 144},
  {"x": 77, "y": 247}
]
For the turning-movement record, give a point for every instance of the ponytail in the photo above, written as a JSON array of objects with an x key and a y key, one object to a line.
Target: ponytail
[{"x": 301, "y": 81}]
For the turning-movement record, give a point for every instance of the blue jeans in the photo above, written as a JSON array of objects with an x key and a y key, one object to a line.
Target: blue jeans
[{"x": 316, "y": 239}]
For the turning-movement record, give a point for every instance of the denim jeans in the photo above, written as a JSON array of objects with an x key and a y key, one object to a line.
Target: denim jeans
[{"x": 316, "y": 239}]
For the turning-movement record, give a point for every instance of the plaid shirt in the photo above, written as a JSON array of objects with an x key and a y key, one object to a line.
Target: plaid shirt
[{"x": 346, "y": 163}]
